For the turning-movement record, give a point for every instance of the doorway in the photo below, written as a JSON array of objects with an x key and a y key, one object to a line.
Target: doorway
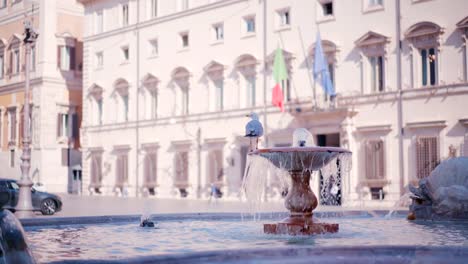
[{"x": 330, "y": 189}]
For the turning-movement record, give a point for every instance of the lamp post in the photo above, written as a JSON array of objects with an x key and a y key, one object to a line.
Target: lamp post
[{"x": 24, "y": 207}]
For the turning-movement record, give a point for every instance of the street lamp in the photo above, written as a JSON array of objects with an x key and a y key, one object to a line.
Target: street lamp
[{"x": 24, "y": 207}]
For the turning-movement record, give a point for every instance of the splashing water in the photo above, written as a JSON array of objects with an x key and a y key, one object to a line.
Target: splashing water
[{"x": 271, "y": 167}]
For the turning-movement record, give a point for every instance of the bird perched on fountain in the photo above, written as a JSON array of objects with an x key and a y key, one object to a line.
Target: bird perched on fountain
[{"x": 253, "y": 129}]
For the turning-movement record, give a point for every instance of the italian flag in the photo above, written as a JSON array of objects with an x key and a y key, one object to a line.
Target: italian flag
[{"x": 280, "y": 73}]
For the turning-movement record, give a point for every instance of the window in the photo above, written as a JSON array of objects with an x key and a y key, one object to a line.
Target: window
[
  {"x": 15, "y": 61},
  {"x": 154, "y": 103},
  {"x": 284, "y": 18},
  {"x": 125, "y": 14},
  {"x": 181, "y": 169},
  {"x": 154, "y": 8},
  {"x": 376, "y": 74},
  {"x": 251, "y": 91},
  {"x": 219, "y": 95},
  {"x": 12, "y": 123},
  {"x": 2, "y": 63},
  {"x": 428, "y": 66},
  {"x": 33, "y": 58},
  {"x": 99, "y": 22},
  {"x": 3, "y": 3},
  {"x": 125, "y": 106},
  {"x": 121, "y": 170},
  {"x": 66, "y": 58},
  {"x": 99, "y": 60},
  {"x": 218, "y": 32},
  {"x": 372, "y": 3},
  {"x": 62, "y": 125},
  {"x": 185, "y": 40},
  {"x": 185, "y": 101},
  {"x": 286, "y": 87},
  {"x": 96, "y": 171},
  {"x": 327, "y": 7},
  {"x": 427, "y": 155},
  {"x": 250, "y": 24},
  {"x": 154, "y": 47},
  {"x": 216, "y": 171},
  {"x": 375, "y": 160},
  {"x": 150, "y": 170},
  {"x": 99, "y": 108},
  {"x": 126, "y": 53},
  {"x": 12, "y": 158},
  {"x": 377, "y": 193}
]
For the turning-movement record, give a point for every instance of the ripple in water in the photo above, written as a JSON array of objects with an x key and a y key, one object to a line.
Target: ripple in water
[{"x": 124, "y": 240}]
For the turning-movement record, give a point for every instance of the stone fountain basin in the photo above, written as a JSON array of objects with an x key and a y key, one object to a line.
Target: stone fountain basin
[
  {"x": 299, "y": 158},
  {"x": 230, "y": 238}
]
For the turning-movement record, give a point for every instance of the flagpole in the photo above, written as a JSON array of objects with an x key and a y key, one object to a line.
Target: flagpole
[
  {"x": 312, "y": 83},
  {"x": 265, "y": 123}
]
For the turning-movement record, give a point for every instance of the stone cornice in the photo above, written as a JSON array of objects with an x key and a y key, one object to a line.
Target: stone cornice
[
  {"x": 464, "y": 122},
  {"x": 427, "y": 124},
  {"x": 162, "y": 19},
  {"x": 17, "y": 86},
  {"x": 374, "y": 129}
]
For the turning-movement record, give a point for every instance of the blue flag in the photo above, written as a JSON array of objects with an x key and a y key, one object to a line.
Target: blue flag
[{"x": 321, "y": 67}]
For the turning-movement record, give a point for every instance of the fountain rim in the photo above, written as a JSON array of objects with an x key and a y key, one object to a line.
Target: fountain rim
[{"x": 298, "y": 150}]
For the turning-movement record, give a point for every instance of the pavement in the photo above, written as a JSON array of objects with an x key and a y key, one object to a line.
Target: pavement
[{"x": 77, "y": 206}]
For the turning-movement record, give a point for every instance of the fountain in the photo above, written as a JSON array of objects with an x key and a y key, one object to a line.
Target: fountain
[
  {"x": 299, "y": 161},
  {"x": 443, "y": 194}
]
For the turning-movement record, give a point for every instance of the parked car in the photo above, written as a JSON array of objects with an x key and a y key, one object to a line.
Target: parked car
[{"x": 46, "y": 203}]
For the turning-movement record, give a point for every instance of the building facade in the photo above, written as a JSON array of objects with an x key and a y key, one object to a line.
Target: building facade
[
  {"x": 168, "y": 84},
  {"x": 55, "y": 97}
]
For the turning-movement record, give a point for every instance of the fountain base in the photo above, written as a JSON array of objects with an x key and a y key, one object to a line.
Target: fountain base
[{"x": 299, "y": 225}]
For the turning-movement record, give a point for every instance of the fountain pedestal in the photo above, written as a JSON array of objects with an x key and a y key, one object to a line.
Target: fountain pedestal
[{"x": 300, "y": 201}]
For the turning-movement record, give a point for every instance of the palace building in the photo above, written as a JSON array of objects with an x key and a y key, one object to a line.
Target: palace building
[
  {"x": 168, "y": 85},
  {"x": 55, "y": 95}
]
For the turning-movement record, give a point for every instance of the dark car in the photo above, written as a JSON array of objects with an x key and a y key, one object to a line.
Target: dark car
[{"x": 47, "y": 203}]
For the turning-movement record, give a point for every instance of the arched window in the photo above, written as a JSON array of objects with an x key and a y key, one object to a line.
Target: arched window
[
  {"x": 96, "y": 104},
  {"x": 14, "y": 67},
  {"x": 372, "y": 46},
  {"x": 246, "y": 64},
  {"x": 150, "y": 82},
  {"x": 121, "y": 87},
  {"x": 181, "y": 76},
  {"x": 3, "y": 45},
  {"x": 424, "y": 43},
  {"x": 463, "y": 28},
  {"x": 215, "y": 71}
]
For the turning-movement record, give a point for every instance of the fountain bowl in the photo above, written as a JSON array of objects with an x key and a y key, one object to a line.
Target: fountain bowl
[
  {"x": 299, "y": 162},
  {"x": 299, "y": 158}
]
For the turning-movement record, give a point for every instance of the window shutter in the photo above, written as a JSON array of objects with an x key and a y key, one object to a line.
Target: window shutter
[
  {"x": 368, "y": 159},
  {"x": 465, "y": 146},
  {"x": 419, "y": 158},
  {"x": 99, "y": 168},
  {"x": 381, "y": 160},
  {"x": 75, "y": 126},
  {"x": 10, "y": 70},
  {"x": 59, "y": 56},
  {"x": 13, "y": 125},
  {"x": 155, "y": 168},
  {"x": 72, "y": 58},
  {"x": 146, "y": 171},
  {"x": 93, "y": 170},
  {"x": 59, "y": 127},
  {"x": 20, "y": 127},
  {"x": 125, "y": 158}
]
